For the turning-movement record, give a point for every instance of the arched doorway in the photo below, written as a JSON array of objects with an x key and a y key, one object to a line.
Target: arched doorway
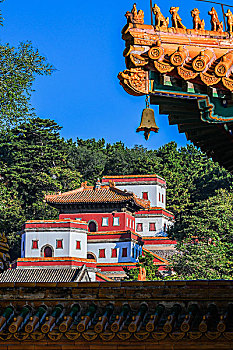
[
  {"x": 47, "y": 251},
  {"x": 91, "y": 255},
  {"x": 92, "y": 227}
]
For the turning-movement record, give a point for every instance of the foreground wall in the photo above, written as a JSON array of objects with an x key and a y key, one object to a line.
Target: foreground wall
[{"x": 117, "y": 315}]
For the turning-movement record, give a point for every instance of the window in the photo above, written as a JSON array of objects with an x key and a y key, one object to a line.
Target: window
[
  {"x": 34, "y": 244},
  {"x": 127, "y": 222},
  {"x": 152, "y": 226},
  {"x": 78, "y": 244},
  {"x": 124, "y": 252},
  {"x": 159, "y": 197},
  {"x": 132, "y": 224},
  {"x": 104, "y": 221},
  {"x": 59, "y": 244},
  {"x": 139, "y": 227},
  {"x": 92, "y": 226},
  {"x": 114, "y": 252},
  {"x": 145, "y": 195},
  {"x": 116, "y": 221},
  {"x": 78, "y": 219},
  {"x": 162, "y": 198},
  {"x": 133, "y": 252},
  {"x": 101, "y": 253},
  {"x": 165, "y": 228}
]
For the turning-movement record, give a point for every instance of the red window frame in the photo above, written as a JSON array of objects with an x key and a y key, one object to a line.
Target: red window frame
[
  {"x": 102, "y": 253},
  {"x": 159, "y": 197},
  {"x": 78, "y": 244},
  {"x": 34, "y": 244},
  {"x": 152, "y": 226},
  {"x": 59, "y": 244},
  {"x": 139, "y": 227},
  {"x": 124, "y": 252},
  {"x": 145, "y": 195},
  {"x": 114, "y": 253},
  {"x": 162, "y": 198}
]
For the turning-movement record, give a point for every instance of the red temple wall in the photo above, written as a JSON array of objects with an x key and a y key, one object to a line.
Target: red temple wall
[{"x": 126, "y": 221}]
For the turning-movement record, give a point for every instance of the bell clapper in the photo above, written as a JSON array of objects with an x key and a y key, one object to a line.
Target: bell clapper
[{"x": 147, "y": 120}]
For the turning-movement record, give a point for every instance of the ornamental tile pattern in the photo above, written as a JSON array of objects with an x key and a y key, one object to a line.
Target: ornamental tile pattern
[{"x": 117, "y": 315}]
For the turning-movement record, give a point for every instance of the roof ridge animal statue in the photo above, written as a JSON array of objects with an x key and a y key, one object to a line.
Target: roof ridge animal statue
[
  {"x": 216, "y": 25},
  {"x": 135, "y": 16},
  {"x": 229, "y": 16},
  {"x": 197, "y": 22},
  {"x": 176, "y": 20},
  {"x": 160, "y": 21}
]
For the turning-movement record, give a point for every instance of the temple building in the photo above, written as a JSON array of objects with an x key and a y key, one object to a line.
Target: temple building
[
  {"x": 126, "y": 216},
  {"x": 100, "y": 231}
]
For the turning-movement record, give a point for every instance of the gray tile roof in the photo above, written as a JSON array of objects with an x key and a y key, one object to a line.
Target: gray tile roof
[{"x": 45, "y": 275}]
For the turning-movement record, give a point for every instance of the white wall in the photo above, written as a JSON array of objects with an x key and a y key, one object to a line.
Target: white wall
[
  {"x": 108, "y": 246},
  {"x": 153, "y": 193},
  {"x": 159, "y": 222},
  {"x": 82, "y": 237},
  {"x": 49, "y": 237}
]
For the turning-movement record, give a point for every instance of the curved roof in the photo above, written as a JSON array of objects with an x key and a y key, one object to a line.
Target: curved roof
[{"x": 90, "y": 194}]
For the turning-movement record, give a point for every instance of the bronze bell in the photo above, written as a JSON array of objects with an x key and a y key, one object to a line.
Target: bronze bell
[{"x": 147, "y": 122}]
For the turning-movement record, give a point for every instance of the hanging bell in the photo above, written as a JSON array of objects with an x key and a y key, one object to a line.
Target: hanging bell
[{"x": 147, "y": 122}]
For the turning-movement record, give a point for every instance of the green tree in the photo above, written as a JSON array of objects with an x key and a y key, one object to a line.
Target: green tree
[
  {"x": 88, "y": 157},
  {"x": 145, "y": 261},
  {"x": 205, "y": 235},
  {"x": 34, "y": 161},
  {"x": 18, "y": 68}
]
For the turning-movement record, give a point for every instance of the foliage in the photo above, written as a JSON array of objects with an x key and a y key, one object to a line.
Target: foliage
[
  {"x": 145, "y": 261},
  {"x": 205, "y": 234},
  {"x": 18, "y": 68},
  {"x": 33, "y": 161}
]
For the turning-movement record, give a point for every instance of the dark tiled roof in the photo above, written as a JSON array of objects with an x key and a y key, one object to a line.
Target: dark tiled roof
[
  {"x": 43, "y": 275},
  {"x": 164, "y": 253},
  {"x": 88, "y": 194}
]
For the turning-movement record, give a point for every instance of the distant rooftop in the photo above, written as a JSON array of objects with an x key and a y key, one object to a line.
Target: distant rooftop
[{"x": 96, "y": 194}]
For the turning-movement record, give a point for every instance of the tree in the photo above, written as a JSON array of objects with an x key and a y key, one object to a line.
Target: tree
[
  {"x": 18, "y": 68},
  {"x": 88, "y": 157},
  {"x": 34, "y": 161},
  {"x": 205, "y": 235},
  {"x": 33, "y": 158},
  {"x": 145, "y": 261}
]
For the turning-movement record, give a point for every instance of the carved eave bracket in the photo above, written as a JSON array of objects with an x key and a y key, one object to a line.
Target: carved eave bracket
[{"x": 135, "y": 81}]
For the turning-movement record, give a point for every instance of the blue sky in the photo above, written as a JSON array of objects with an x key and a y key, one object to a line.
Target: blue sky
[{"x": 82, "y": 39}]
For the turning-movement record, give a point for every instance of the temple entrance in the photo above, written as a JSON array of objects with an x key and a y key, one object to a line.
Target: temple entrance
[
  {"x": 47, "y": 251},
  {"x": 92, "y": 227}
]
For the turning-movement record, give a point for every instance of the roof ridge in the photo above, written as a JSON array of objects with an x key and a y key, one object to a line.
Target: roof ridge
[{"x": 125, "y": 176}]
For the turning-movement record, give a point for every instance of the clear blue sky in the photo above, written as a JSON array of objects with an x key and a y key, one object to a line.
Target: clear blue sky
[{"x": 82, "y": 39}]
